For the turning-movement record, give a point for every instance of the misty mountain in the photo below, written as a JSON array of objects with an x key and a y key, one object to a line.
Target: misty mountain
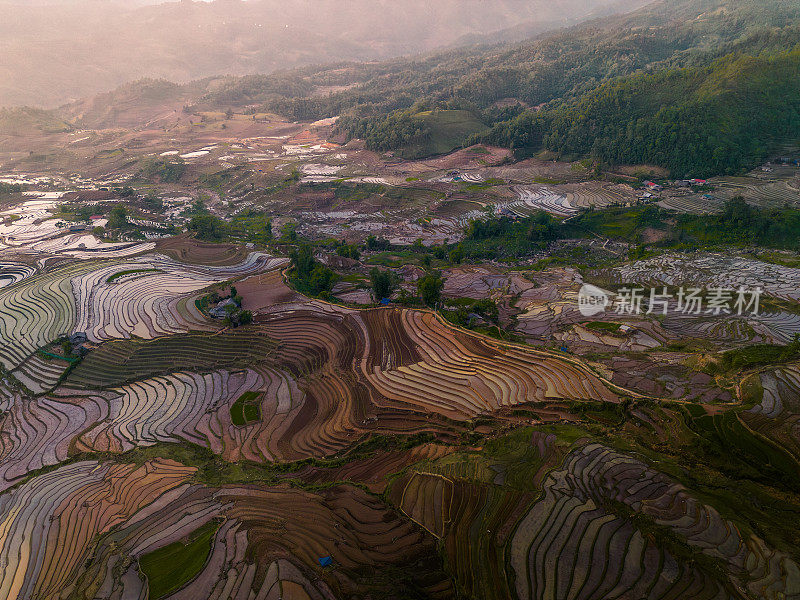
[{"x": 55, "y": 51}]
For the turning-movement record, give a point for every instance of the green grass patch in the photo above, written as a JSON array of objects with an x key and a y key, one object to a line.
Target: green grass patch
[
  {"x": 777, "y": 258},
  {"x": 489, "y": 183},
  {"x": 758, "y": 355},
  {"x": 122, "y": 361},
  {"x": 447, "y": 131},
  {"x": 603, "y": 326},
  {"x": 394, "y": 258},
  {"x": 246, "y": 409},
  {"x": 170, "y": 568},
  {"x": 116, "y": 276}
]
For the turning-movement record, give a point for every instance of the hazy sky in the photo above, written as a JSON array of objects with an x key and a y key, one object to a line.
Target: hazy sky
[{"x": 56, "y": 51}]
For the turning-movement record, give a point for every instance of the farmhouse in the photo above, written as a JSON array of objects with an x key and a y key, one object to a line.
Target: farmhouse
[
  {"x": 78, "y": 338},
  {"x": 219, "y": 311}
]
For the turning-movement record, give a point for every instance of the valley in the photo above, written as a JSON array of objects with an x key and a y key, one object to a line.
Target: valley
[{"x": 368, "y": 330}]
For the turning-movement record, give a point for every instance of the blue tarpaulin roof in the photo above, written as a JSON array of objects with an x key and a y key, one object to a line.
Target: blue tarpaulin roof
[{"x": 325, "y": 561}]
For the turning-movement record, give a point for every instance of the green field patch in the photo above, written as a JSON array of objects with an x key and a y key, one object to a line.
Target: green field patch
[
  {"x": 603, "y": 326},
  {"x": 512, "y": 459},
  {"x": 170, "y": 568},
  {"x": 246, "y": 409},
  {"x": 110, "y": 153},
  {"x": 785, "y": 259},
  {"x": 756, "y": 458},
  {"x": 116, "y": 276},
  {"x": 758, "y": 355},
  {"x": 122, "y": 361},
  {"x": 447, "y": 131}
]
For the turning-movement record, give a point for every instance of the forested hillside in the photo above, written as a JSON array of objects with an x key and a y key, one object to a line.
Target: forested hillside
[
  {"x": 566, "y": 63},
  {"x": 652, "y": 86},
  {"x": 695, "y": 121}
]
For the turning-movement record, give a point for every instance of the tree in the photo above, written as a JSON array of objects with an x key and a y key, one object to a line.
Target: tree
[
  {"x": 208, "y": 227},
  {"x": 457, "y": 254},
  {"x": 430, "y": 288},
  {"x": 310, "y": 276},
  {"x": 383, "y": 283},
  {"x": 348, "y": 251},
  {"x": 166, "y": 171},
  {"x": 302, "y": 260},
  {"x": 289, "y": 232},
  {"x": 321, "y": 280},
  {"x": 154, "y": 203},
  {"x": 118, "y": 217},
  {"x": 377, "y": 244}
]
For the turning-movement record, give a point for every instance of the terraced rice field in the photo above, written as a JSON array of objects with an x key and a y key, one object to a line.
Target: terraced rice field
[
  {"x": 36, "y": 311},
  {"x": 567, "y": 199},
  {"x": 85, "y": 246},
  {"x": 576, "y": 543},
  {"x": 695, "y": 203},
  {"x": 777, "y": 415},
  {"x": 40, "y": 374},
  {"x": 268, "y": 543},
  {"x": 12, "y": 272},
  {"x": 412, "y": 359},
  {"x": 714, "y": 270},
  {"x": 33, "y": 223},
  {"x": 123, "y": 361},
  {"x": 472, "y": 520},
  {"x": 37, "y": 433},
  {"x": 79, "y": 297},
  {"x": 320, "y": 379},
  {"x": 766, "y": 194},
  {"x": 154, "y": 300},
  {"x": 771, "y": 194},
  {"x": 50, "y": 522},
  {"x": 229, "y": 462}
]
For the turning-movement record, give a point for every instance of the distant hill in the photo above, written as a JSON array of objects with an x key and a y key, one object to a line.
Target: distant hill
[
  {"x": 699, "y": 87},
  {"x": 21, "y": 121},
  {"x": 568, "y": 62},
  {"x": 601, "y": 88},
  {"x": 132, "y": 105},
  {"x": 60, "y": 51}
]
